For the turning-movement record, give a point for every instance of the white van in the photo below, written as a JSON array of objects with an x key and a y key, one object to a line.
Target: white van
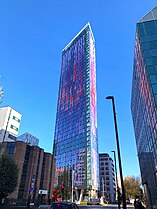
[{"x": 93, "y": 201}]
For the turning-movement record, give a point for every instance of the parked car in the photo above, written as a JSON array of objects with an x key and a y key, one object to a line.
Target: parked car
[
  {"x": 64, "y": 205},
  {"x": 93, "y": 201}
]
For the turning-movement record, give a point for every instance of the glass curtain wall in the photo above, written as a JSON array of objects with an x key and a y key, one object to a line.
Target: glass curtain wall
[
  {"x": 75, "y": 147},
  {"x": 144, "y": 105}
]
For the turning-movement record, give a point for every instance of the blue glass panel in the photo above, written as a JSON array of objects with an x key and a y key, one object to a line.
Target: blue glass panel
[
  {"x": 151, "y": 69},
  {"x": 152, "y": 37},
  {"x": 153, "y": 79},
  {"x": 148, "y": 61},
  {"x": 143, "y": 39},
  {"x": 150, "y": 30},
  {"x": 154, "y": 60},
  {"x": 141, "y": 32},
  {"x": 153, "y": 44},
  {"x": 140, "y": 25},
  {"x": 154, "y": 87},
  {"x": 145, "y": 45},
  {"x": 153, "y": 52},
  {"x": 149, "y": 24},
  {"x": 146, "y": 53}
]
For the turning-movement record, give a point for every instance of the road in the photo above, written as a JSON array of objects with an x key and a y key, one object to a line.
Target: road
[
  {"x": 103, "y": 207},
  {"x": 94, "y": 207}
]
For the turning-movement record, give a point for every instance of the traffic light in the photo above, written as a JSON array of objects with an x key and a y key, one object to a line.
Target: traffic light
[{"x": 62, "y": 189}]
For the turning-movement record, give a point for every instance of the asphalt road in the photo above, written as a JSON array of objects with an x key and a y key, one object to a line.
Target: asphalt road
[
  {"x": 93, "y": 207},
  {"x": 103, "y": 207}
]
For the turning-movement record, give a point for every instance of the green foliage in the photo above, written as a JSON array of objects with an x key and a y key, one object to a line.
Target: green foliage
[
  {"x": 133, "y": 187},
  {"x": 8, "y": 175}
]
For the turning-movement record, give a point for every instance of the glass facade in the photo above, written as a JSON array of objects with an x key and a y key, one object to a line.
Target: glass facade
[
  {"x": 10, "y": 149},
  {"x": 29, "y": 139},
  {"x": 75, "y": 141},
  {"x": 144, "y": 103}
]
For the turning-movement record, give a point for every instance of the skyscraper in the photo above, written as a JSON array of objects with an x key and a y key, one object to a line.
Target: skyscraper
[
  {"x": 144, "y": 102},
  {"x": 75, "y": 149},
  {"x": 34, "y": 172}
]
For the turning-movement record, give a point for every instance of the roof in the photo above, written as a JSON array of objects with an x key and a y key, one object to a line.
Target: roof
[
  {"x": 152, "y": 15},
  {"x": 84, "y": 28}
]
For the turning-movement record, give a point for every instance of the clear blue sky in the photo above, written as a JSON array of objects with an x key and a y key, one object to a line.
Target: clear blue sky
[{"x": 32, "y": 36}]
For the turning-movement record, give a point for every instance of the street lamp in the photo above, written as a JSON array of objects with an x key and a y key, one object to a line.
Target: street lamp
[
  {"x": 72, "y": 187},
  {"x": 118, "y": 150},
  {"x": 118, "y": 192}
]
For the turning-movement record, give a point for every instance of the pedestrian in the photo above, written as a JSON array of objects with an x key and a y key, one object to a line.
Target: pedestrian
[
  {"x": 140, "y": 206},
  {"x": 136, "y": 204}
]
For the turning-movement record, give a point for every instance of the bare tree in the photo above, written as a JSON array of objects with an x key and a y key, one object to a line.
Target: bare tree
[
  {"x": 133, "y": 187},
  {"x": 1, "y": 94}
]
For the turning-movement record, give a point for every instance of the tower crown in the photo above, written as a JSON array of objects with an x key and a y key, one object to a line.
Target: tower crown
[{"x": 152, "y": 15}]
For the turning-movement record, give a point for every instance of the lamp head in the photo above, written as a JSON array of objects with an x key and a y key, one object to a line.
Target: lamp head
[{"x": 109, "y": 97}]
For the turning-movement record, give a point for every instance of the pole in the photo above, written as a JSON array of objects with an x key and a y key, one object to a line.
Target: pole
[
  {"x": 103, "y": 188},
  {"x": 118, "y": 149},
  {"x": 118, "y": 194},
  {"x": 72, "y": 187}
]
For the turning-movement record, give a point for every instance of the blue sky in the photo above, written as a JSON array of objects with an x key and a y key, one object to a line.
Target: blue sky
[{"x": 32, "y": 36}]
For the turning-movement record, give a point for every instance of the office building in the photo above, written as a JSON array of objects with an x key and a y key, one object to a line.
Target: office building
[
  {"x": 107, "y": 178},
  {"x": 144, "y": 102},
  {"x": 9, "y": 124},
  {"x": 75, "y": 147},
  {"x": 35, "y": 172},
  {"x": 29, "y": 139}
]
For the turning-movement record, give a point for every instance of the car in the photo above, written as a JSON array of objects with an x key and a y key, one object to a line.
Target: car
[
  {"x": 64, "y": 205},
  {"x": 93, "y": 201}
]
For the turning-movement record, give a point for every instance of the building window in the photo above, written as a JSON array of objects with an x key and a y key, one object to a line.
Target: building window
[
  {"x": 12, "y": 137},
  {"x": 15, "y": 118},
  {"x": 10, "y": 149},
  {"x": 14, "y": 127}
]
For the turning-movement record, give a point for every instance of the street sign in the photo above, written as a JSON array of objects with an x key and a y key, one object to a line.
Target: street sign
[
  {"x": 43, "y": 191},
  {"x": 32, "y": 203}
]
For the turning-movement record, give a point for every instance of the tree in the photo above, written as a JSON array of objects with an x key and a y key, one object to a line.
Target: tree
[
  {"x": 8, "y": 175},
  {"x": 1, "y": 94},
  {"x": 133, "y": 187}
]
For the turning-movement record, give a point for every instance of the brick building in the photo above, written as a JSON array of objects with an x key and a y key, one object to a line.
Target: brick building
[{"x": 35, "y": 174}]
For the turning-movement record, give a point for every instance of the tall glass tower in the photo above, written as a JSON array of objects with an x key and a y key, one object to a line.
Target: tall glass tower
[
  {"x": 75, "y": 150},
  {"x": 144, "y": 102}
]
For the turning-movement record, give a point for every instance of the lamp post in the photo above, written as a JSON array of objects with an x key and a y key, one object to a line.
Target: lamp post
[
  {"x": 118, "y": 150},
  {"x": 72, "y": 187},
  {"x": 118, "y": 192},
  {"x": 103, "y": 188}
]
